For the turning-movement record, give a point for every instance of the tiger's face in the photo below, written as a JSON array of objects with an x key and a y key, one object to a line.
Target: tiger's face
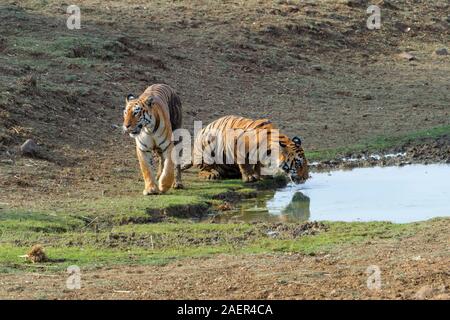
[
  {"x": 135, "y": 116},
  {"x": 293, "y": 161}
]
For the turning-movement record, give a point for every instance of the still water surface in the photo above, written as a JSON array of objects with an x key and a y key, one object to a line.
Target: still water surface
[{"x": 398, "y": 194}]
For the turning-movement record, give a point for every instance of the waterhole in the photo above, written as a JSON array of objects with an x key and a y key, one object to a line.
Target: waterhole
[{"x": 397, "y": 194}]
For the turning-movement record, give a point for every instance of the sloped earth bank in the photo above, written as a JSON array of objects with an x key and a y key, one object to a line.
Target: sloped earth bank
[
  {"x": 311, "y": 66},
  {"x": 414, "y": 267},
  {"x": 424, "y": 151}
]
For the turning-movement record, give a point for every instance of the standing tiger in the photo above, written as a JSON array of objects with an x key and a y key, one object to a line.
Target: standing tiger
[
  {"x": 215, "y": 141},
  {"x": 150, "y": 119}
]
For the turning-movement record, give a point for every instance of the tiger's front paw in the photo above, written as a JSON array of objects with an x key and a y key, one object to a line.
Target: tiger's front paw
[{"x": 150, "y": 191}]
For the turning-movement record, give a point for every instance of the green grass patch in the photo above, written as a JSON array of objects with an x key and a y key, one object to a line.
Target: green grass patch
[
  {"x": 135, "y": 207},
  {"x": 339, "y": 233},
  {"x": 72, "y": 233},
  {"x": 164, "y": 242}
]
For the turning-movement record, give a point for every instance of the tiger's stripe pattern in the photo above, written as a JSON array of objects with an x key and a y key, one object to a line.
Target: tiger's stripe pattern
[
  {"x": 291, "y": 158},
  {"x": 150, "y": 119}
]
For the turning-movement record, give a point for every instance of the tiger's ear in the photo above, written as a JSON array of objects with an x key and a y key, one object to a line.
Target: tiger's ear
[
  {"x": 130, "y": 97},
  {"x": 297, "y": 141}
]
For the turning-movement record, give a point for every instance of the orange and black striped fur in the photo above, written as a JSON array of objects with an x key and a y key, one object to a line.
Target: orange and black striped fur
[
  {"x": 150, "y": 119},
  {"x": 291, "y": 158}
]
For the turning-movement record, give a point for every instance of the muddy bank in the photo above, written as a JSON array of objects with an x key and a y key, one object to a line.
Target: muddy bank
[
  {"x": 183, "y": 237},
  {"x": 423, "y": 151},
  {"x": 192, "y": 211}
]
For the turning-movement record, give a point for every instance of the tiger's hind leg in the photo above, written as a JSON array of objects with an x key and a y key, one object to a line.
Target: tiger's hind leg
[
  {"x": 178, "y": 184},
  {"x": 258, "y": 171},
  {"x": 209, "y": 174},
  {"x": 248, "y": 173}
]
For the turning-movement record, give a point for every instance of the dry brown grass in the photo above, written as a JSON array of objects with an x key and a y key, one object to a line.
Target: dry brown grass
[{"x": 37, "y": 254}]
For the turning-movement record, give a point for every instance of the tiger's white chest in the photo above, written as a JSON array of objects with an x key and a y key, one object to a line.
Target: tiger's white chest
[{"x": 145, "y": 141}]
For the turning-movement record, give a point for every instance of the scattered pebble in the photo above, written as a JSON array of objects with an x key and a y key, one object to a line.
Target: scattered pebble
[
  {"x": 441, "y": 52},
  {"x": 29, "y": 147},
  {"x": 386, "y": 4},
  {"x": 225, "y": 206},
  {"x": 424, "y": 293},
  {"x": 272, "y": 234},
  {"x": 354, "y": 3},
  {"x": 408, "y": 56}
]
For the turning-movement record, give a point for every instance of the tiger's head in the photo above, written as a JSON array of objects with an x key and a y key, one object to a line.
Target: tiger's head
[
  {"x": 292, "y": 159},
  {"x": 136, "y": 114}
]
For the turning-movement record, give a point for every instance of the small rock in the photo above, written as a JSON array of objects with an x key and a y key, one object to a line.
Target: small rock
[
  {"x": 367, "y": 97},
  {"x": 425, "y": 292},
  {"x": 316, "y": 67},
  {"x": 271, "y": 296},
  {"x": 354, "y": 3},
  {"x": 441, "y": 52},
  {"x": 406, "y": 55},
  {"x": 29, "y": 147},
  {"x": 3, "y": 44},
  {"x": 273, "y": 234},
  {"x": 387, "y": 4},
  {"x": 402, "y": 27},
  {"x": 273, "y": 30}
]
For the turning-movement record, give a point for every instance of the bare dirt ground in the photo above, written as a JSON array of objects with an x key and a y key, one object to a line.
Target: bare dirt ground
[
  {"x": 312, "y": 67},
  {"x": 415, "y": 267}
]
